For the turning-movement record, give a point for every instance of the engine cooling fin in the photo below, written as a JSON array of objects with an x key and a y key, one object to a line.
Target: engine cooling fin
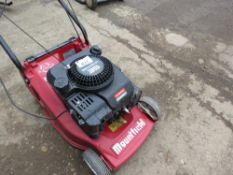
[{"x": 92, "y": 72}]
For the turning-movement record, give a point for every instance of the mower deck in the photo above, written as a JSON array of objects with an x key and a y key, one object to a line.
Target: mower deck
[{"x": 115, "y": 145}]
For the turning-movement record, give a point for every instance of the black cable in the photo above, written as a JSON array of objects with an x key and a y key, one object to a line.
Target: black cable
[
  {"x": 22, "y": 30},
  {"x": 72, "y": 21},
  {"x": 24, "y": 111},
  {"x": 76, "y": 31},
  {"x": 27, "y": 34},
  {"x": 3, "y": 84},
  {"x": 36, "y": 41},
  {"x": 3, "y": 9},
  {"x": 84, "y": 30},
  {"x": 72, "y": 14},
  {"x": 46, "y": 50},
  {"x": 30, "y": 36}
]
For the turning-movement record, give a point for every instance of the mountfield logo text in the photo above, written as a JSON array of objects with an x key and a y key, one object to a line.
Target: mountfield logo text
[{"x": 132, "y": 133}]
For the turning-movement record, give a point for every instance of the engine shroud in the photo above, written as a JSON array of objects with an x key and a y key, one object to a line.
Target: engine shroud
[
  {"x": 94, "y": 89},
  {"x": 92, "y": 72}
]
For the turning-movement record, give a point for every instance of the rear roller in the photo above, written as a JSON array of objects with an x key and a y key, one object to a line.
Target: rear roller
[
  {"x": 95, "y": 163},
  {"x": 150, "y": 107}
]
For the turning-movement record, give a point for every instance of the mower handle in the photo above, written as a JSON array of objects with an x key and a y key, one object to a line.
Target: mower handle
[
  {"x": 74, "y": 17},
  {"x": 11, "y": 54}
]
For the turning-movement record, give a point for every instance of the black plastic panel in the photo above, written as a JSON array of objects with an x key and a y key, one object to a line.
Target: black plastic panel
[{"x": 92, "y": 108}]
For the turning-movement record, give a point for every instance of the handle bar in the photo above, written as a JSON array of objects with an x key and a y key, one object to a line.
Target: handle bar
[
  {"x": 73, "y": 16},
  {"x": 11, "y": 54}
]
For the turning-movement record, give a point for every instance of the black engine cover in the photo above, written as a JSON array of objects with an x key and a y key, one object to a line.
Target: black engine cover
[{"x": 94, "y": 89}]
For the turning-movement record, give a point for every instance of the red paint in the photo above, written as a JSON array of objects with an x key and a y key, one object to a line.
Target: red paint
[{"x": 35, "y": 73}]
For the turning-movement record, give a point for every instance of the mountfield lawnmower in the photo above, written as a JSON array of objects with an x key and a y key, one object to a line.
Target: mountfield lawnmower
[{"x": 88, "y": 99}]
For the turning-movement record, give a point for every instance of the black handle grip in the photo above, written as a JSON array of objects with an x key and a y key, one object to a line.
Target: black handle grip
[
  {"x": 11, "y": 54},
  {"x": 71, "y": 13}
]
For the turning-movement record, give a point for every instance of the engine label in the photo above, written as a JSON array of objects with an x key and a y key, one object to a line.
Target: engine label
[
  {"x": 84, "y": 62},
  {"x": 94, "y": 69},
  {"x": 120, "y": 94},
  {"x": 132, "y": 133}
]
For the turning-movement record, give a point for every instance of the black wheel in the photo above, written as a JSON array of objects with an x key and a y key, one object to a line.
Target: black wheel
[
  {"x": 150, "y": 107},
  {"x": 95, "y": 163},
  {"x": 92, "y": 4},
  {"x": 81, "y": 1}
]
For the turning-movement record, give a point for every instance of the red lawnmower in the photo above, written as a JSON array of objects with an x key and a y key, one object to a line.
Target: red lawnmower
[{"x": 89, "y": 101}]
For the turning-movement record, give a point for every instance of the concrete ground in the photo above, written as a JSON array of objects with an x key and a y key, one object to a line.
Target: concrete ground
[{"x": 179, "y": 52}]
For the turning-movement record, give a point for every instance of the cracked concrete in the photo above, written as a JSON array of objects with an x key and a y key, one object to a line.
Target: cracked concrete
[{"x": 178, "y": 52}]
